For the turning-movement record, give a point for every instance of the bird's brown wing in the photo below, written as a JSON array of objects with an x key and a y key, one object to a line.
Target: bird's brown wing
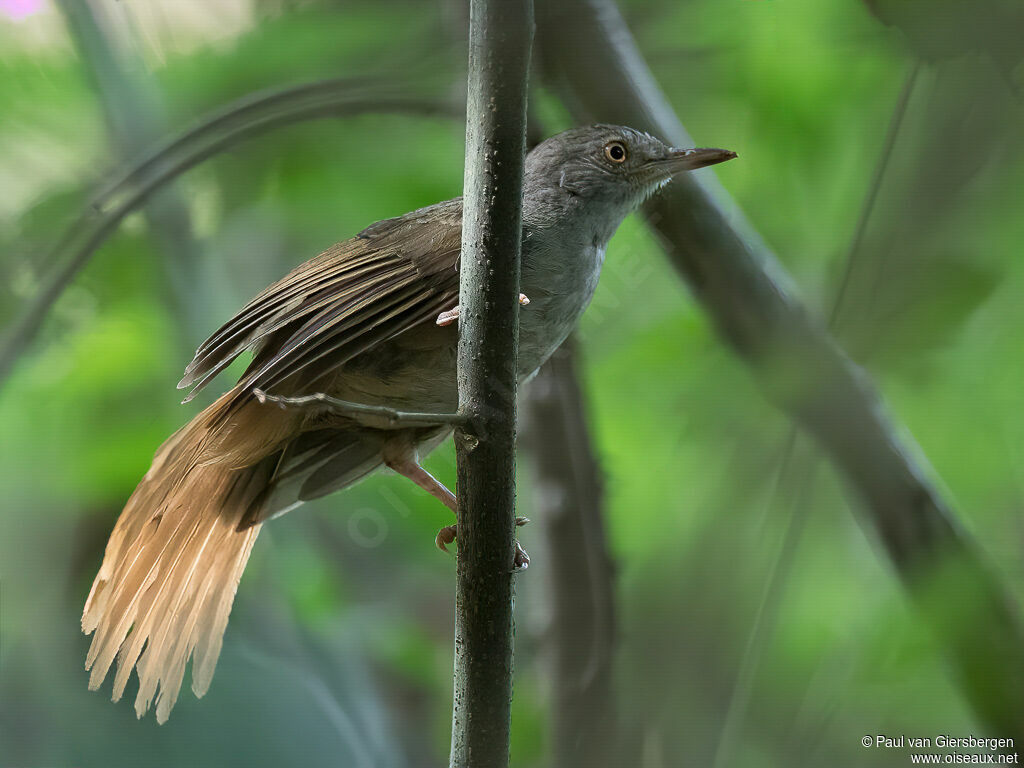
[{"x": 390, "y": 277}]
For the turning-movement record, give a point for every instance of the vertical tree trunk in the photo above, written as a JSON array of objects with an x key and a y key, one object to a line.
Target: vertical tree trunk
[{"x": 500, "y": 37}]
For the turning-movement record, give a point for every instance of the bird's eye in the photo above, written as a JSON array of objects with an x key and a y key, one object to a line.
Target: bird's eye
[{"x": 615, "y": 151}]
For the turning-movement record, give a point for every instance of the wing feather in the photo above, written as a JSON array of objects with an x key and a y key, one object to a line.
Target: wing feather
[
  {"x": 390, "y": 277},
  {"x": 342, "y": 341}
]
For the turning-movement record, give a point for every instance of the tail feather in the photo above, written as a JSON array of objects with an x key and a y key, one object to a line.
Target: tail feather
[{"x": 172, "y": 567}]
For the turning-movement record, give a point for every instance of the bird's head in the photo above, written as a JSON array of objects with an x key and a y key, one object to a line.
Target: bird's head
[{"x": 611, "y": 165}]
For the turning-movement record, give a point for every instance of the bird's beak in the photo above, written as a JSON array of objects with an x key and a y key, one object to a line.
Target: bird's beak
[
  {"x": 679, "y": 160},
  {"x": 660, "y": 171}
]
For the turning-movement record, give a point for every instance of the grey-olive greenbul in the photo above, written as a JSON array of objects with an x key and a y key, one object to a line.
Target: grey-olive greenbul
[{"x": 370, "y": 321}]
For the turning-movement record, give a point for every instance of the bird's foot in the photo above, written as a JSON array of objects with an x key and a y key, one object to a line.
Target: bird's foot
[
  {"x": 451, "y": 315},
  {"x": 445, "y": 537},
  {"x": 520, "y": 560}
]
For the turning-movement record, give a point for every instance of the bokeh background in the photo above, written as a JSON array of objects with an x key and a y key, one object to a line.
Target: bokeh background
[{"x": 756, "y": 622}]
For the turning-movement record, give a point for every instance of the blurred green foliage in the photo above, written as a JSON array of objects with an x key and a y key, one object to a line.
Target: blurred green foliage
[{"x": 339, "y": 647}]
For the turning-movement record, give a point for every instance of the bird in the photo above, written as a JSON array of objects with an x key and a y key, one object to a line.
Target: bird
[{"x": 371, "y": 321}]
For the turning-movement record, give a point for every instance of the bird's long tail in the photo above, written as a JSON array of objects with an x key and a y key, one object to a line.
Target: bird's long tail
[{"x": 174, "y": 559}]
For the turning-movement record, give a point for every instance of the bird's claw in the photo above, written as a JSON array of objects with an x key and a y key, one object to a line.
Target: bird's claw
[
  {"x": 445, "y": 537},
  {"x": 520, "y": 560},
  {"x": 450, "y": 316}
]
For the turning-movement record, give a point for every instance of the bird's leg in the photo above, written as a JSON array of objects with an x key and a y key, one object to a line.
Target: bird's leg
[
  {"x": 449, "y": 317},
  {"x": 400, "y": 456}
]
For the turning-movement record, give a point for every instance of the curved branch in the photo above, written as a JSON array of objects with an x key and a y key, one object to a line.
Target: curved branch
[
  {"x": 247, "y": 118},
  {"x": 134, "y": 118}
]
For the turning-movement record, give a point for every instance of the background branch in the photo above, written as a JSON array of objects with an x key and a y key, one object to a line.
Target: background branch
[
  {"x": 569, "y": 498},
  {"x": 246, "y": 118},
  {"x": 763, "y": 626},
  {"x": 500, "y": 38},
  {"x": 588, "y": 51},
  {"x": 134, "y": 119}
]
